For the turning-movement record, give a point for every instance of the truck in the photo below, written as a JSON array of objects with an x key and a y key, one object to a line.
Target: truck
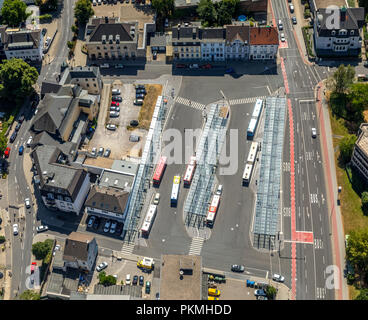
[{"x": 146, "y": 263}]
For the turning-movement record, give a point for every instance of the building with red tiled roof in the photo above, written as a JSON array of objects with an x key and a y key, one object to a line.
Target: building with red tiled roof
[{"x": 264, "y": 43}]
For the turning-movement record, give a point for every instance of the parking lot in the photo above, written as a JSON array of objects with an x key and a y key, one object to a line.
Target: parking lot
[
  {"x": 104, "y": 226},
  {"x": 120, "y": 269}
]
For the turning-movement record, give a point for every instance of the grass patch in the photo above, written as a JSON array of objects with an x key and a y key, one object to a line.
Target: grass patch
[
  {"x": 149, "y": 103},
  {"x": 351, "y": 3}
]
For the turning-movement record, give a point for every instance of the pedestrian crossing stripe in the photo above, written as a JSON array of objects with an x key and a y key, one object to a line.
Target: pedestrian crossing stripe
[
  {"x": 127, "y": 249},
  {"x": 196, "y": 246},
  {"x": 245, "y": 100},
  {"x": 189, "y": 103}
]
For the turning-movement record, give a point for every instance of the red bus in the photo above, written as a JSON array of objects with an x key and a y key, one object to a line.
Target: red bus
[
  {"x": 211, "y": 215},
  {"x": 160, "y": 168},
  {"x": 189, "y": 172}
]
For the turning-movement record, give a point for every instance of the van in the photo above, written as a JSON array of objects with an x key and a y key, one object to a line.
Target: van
[
  {"x": 29, "y": 141},
  {"x": 281, "y": 27},
  {"x": 214, "y": 292},
  {"x": 115, "y": 92}
]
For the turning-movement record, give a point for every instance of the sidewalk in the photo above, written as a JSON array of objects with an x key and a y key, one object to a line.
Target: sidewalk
[{"x": 336, "y": 227}]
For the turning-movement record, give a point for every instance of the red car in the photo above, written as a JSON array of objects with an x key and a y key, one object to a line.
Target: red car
[
  {"x": 7, "y": 152},
  {"x": 180, "y": 65},
  {"x": 33, "y": 267},
  {"x": 206, "y": 66},
  {"x": 115, "y": 103}
]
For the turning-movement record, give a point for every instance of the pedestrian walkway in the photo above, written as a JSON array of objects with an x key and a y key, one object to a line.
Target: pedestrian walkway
[
  {"x": 189, "y": 103},
  {"x": 245, "y": 100},
  {"x": 127, "y": 248},
  {"x": 196, "y": 246}
]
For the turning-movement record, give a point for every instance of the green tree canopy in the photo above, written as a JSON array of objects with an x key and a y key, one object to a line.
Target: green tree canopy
[
  {"x": 83, "y": 11},
  {"x": 17, "y": 78},
  {"x": 365, "y": 202},
  {"x": 3, "y": 143},
  {"x": 207, "y": 12},
  {"x": 358, "y": 98},
  {"x": 13, "y": 12},
  {"x": 363, "y": 295},
  {"x": 357, "y": 249},
  {"x": 271, "y": 292},
  {"x": 29, "y": 295},
  {"x": 164, "y": 8},
  {"x": 106, "y": 280},
  {"x": 342, "y": 79},
  {"x": 41, "y": 249},
  {"x": 47, "y": 5},
  {"x": 346, "y": 146}
]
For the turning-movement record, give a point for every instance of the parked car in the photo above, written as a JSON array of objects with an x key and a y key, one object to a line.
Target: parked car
[
  {"x": 57, "y": 248},
  {"x": 139, "y": 95},
  {"x": 91, "y": 221},
  {"x": 96, "y": 223},
  {"x": 282, "y": 37},
  {"x": 111, "y": 126},
  {"x": 140, "y": 90},
  {"x": 237, "y": 268},
  {"x": 113, "y": 108},
  {"x": 219, "y": 189},
  {"x": 13, "y": 137},
  {"x": 206, "y": 66},
  {"x": 135, "y": 280},
  {"x": 260, "y": 292},
  {"x": 42, "y": 228},
  {"x": 119, "y": 229},
  {"x": 21, "y": 118},
  {"x": 157, "y": 199},
  {"x": 141, "y": 281},
  {"x": 94, "y": 151},
  {"x": 229, "y": 70},
  {"x": 291, "y": 7},
  {"x": 127, "y": 279},
  {"x": 193, "y": 66},
  {"x": 114, "y": 114},
  {"x": 94, "y": 2},
  {"x": 7, "y": 152},
  {"x": 101, "y": 266},
  {"x": 140, "y": 86},
  {"x": 148, "y": 287},
  {"x": 115, "y": 92},
  {"x": 104, "y": 66},
  {"x": 134, "y": 123},
  {"x": 180, "y": 65},
  {"x": 293, "y": 20},
  {"x": 17, "y": 127},
  {"x": 113, "y": 227},
  {"x": 138, "y": 102},
  {"x": 21, "y": 149},
  {"x": 134, "y": 138},
  {"x": 107, "y": 153},
  {"x": 15, "y": 229},
  {"x": 278, "y": 278},
  {"x": 119, "y": 66},
  {"x": 101, "y": 151},
  {"x": 166, "y": 22},
  {"x": 107, "y": 226},
  {"x": 154, "y": 55},
  {"x": 27, "y": 202},
  {"x": 115, "y": 103},
  {"x": 117, "y": 98}
]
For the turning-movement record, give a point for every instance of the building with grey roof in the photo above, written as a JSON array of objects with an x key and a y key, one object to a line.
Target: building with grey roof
[
  {"x": 341, "y": 36},
  {"x": 108, "y": 38},
  {"x": 22, "y": 43},
  {"x": 359, "y": 158},
  {"x": 62, "y": 186}
]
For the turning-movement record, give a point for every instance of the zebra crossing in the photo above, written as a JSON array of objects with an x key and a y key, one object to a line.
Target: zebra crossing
[
  {"x": 127, "y": 248},
  {"x": 196, "y": 246},
  {"x": 189, "y": 103},
  {"x": 245, "y": 100}
]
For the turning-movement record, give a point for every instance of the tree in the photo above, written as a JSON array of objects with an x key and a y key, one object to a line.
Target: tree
[
  {"x": 357, "y": 99},
  {"x": 164, "y": 8},
  {"x": 47, "y": 5},
  {"x": 14, "y": 12},
  {"x": 342, "y": 79},
  {"x": 357, "y": 249},
  {"x": 3, "y": 143},
  {"x": 17, "y": 78},
  {"x": 106, "y": 280},
  {"x": 83, "y": 11},
  {"x": 365, "y": 202},
  {"x": 226, "y": 10},
  {"x": 29, "y": 295},
  {"x": 40, "y": 250},
  {"x": 207, "y": 12},
  {"x": 346, "y": 147},
  {"x": 271, "y": 292},
  {"x": 363, "y": 295},
  {"x": 2, "y": 239}
]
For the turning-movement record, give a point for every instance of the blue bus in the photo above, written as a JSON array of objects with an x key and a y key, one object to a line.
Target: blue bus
[{"x": 175, "y": 191}]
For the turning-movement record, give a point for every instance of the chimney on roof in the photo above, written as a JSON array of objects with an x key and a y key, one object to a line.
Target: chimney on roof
[{"x": 343, "y": 13}]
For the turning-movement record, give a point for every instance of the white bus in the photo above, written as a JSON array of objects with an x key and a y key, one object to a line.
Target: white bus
[
  {"x": 252, "y": 153},
  {"x": 211, "y": 214},
  {"x": 175, "y": 191},
  {"x": 189, "y": 172},
  {"x": 148, "y": 220},
  {"x": 255, "y": 118},
  {"x": 247, "y": 173}
]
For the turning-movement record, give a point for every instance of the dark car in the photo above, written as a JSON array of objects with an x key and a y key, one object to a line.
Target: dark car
[
  {"x": 139, "y": 86},
  {"x": 119, "y": 229},
  {"x": 139, "y": 96},
  {"x": 96, "y": 223},
  {"x": 229, "y": 70},
  {"x": 134, "y": 123},
  {"x": 135, "y": 280},
  {"x": 148, "y": 287},
  {"x": 140, "y": 90},
  {"x": 17, "y": 127},
  {"x": 117, "y": 98},
  {"x": 141, "y": 281},
  {"x": 293, "y": 19},
  {"x": 21, "y": 149},
  {"x": 13, "y": 136},
  {"x": 154, "y": 55},
  {"x": 237, "y": 268},
  {"x": 21, "y": 118}
]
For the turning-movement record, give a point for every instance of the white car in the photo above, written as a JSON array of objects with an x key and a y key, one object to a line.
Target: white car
[
  {"x": 94, "y": 151},
  {"x": 314, "y": 133},
  {"x": 127, "y": 279},
  {"x": 29, "y": 141},
  {"x": 107, "y": 226},
  {"x": 194, "y": 66},
  {"x": 94, "y": 2},
  {"x": 101, "y": 151},
  {"x": 91, "y": 221},
  {"x": 115, "y": 92},
  {"x": 57, "y": 248},
  {"x": 157, "y": 199},
  {"x": 113, "y": 227},
  {"x": 278, "y": 278},
  {"x": 219, "y": 190},
  {"x": 114, "y": 114},
  {"x": 15, "y": 229},
  {"x": 27, "y": 202},
  {"x": 282, "y": 37},
  {"x": 42, "y": 228},
  {"x": 101, "y": 266},
  {"x": 111, "y": 126}
]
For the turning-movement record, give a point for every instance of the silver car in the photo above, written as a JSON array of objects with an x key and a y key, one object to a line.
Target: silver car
[
  {"x": 114, "y": 114},
  {"x": 278, "y": 278},
  {"x": 101, "y": 266},
  {"x": 94, "y": 151}
]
